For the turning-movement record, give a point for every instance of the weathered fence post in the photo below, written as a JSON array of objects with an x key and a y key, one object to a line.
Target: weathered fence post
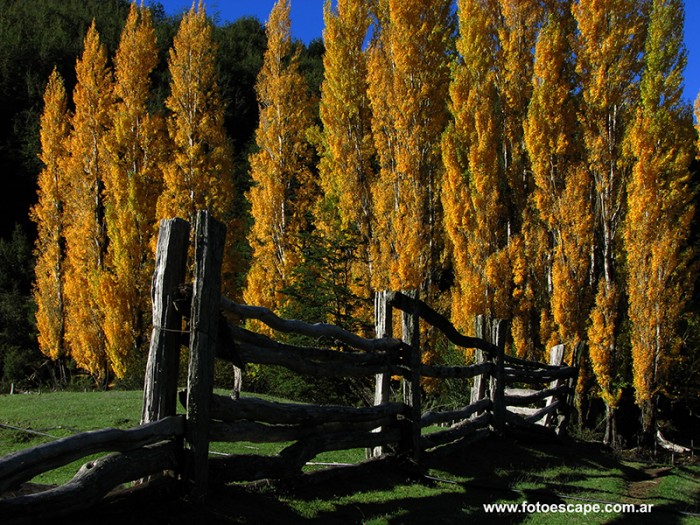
[
  {"x": 411, "y": 385},
  {"x": 383, "y": 324},
  {"x": 160, "y": 388},
  {"x": 204, "y": 326},
  {"x": 556, "y": 357},
  {"x": 499, "y": 333},
  {"x": 479, "y": 385}
]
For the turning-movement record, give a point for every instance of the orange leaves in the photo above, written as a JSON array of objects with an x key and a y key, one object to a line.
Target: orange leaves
[
  {"x": 198, "y": 174},
  {"x": 283, "y": 191},
  {"x": 408, "y": 73},
  {"x": 48, "y": 216},
  {"x": 659, "y": 207}
]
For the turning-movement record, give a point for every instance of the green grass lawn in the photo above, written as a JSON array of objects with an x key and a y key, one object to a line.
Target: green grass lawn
[{"x": 456, "y": 486}]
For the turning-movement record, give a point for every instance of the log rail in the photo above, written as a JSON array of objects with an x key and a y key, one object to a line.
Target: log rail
[{"x": 170, "y": 442}]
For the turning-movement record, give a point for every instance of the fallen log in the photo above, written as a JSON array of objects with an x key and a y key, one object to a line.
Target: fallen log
[{"x": 670, "y": 446}]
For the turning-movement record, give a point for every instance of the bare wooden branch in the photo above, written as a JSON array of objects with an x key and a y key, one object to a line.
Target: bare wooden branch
[
  {"x": 455, "y": 432},
  {"x": 538, "y": 376},
  {"x": 433, "y": 418},
  {"x": 524, "y": 363},
  {"x": 253, "y": 409},
  {"x": 517, "y": 421},
  {"x": 263, "y": 433},
  {"x": 258, "y": 348},
  {"x": 299, "y": 453},
  {"x": 92, "y": 482},
  {"x": 24, "y": 465},
  {"x": 317, "y": 330},
  {"x": 333, "y": 367},
  {"x": 410, "y": 304},
  {"x": 669, "y": 445},
  {"x": 160, "y": 388},
  {"x": 533, "y": 415},
  {"x": 290, "y": 461},
  {"x": 457, "y": 372},
  {"x": 522, "y": 397}
]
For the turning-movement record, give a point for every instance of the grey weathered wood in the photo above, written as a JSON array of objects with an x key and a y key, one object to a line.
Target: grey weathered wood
[
  {"x": 299, "y": 453},
  {"x": 459, "y": 372},
  {"x": 433, "y": 418},
  {"x": 515, "y": 375},
  {"x": 408, "y": 303},
  {"x": 499, "y": 331},
  {"x": 289, "y": 462},
  {"x": 317, "y": 330},
  {"x": 532, "y": 415},
  {"x": 24, "y": 465},
  {"x": 204, "y": 328},
  {"x": 383, "y": 326},
  {"x": 160, "y": 387},
  {"x": 525, "y": 412},
  {"x": 556, "y": 358},
  {"x": 457, "y": 431},
  {"x": 411, "y": 384},
  {"x": 92, "y": 482},
  {"x": 337, "y": 365},
  {"x": 254, "y": 409},
  {"x": 255, "y": 432},
  {"x": 260, "y": 349},
  {"x": 481, "y": 330},
  {"x": 524, "y": 396}
]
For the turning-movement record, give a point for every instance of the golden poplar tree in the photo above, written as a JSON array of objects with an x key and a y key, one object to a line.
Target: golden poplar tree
[
  {"x": 84, "y": 226},
  {"x": 562, "y": 185},
  {"x": 472, "y": 193},
  {"x": 283, "y": 190},
  {"x": 408, "y": 78},
  {"x": 517, "y": 30},
  {"x": 345, "y": 167},
  {"x": 610, "y": 39},
  {"x": 48, "y": 214},
  {"x": 131, "y": 185},
  {"x": 198, "y": 171},
  {"x": 660, "y": 209}
]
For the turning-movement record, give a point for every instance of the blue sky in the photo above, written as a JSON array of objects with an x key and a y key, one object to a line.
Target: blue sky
[{"x": 307, "y": 24}]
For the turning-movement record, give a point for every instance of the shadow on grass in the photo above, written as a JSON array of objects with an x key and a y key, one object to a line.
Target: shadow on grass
[{"x": 452, "y": 486}]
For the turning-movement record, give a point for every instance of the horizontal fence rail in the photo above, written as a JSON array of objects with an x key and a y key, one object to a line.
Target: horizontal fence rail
[{"x": 505, "y": 391}]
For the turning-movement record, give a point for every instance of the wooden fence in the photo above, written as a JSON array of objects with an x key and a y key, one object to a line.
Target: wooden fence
[{"x": 167, "y": 441}]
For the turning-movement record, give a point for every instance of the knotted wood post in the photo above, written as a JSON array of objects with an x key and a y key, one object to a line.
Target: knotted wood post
[
  {"x": 411, "y": 385},
  {"x": 383, "y": 326},
  {"x": 556, "y": 358},
  {"x": 481, "y": 331},
  {"x": 499, "y": 333},
  {"x": 160, "y": 386},
  {"x": 204, "y": 325}
]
